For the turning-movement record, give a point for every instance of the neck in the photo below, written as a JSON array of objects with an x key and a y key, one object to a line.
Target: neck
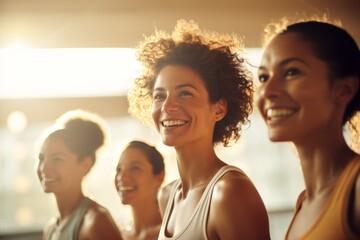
[
  {"x": 197, "y": 166},
  {"x": 323, "y": 162},
  {"x": 146, "y": 215},
  {"x": 68, "y": 203}
]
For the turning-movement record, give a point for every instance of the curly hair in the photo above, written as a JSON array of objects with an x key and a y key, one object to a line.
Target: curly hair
[{"x": 214, "y": 57}]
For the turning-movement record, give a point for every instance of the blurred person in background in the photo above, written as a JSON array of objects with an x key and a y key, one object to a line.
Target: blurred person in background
[
  {"x": 139, "y": 175},
  {"x": 66, "y": 156}
]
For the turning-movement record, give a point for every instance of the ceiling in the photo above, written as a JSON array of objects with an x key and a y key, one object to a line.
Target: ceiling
[{"x": 119, "y": 23}]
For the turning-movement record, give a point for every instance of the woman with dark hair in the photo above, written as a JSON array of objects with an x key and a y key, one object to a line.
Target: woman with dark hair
[
  {"x": 199, "y": 93},
  {"x": 139, "y": 175},
  {"x": 309, "y": 91},
  {"x": 66, "y": 156}
]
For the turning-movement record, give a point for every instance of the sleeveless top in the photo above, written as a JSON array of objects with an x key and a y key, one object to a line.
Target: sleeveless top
[
  {"x": 196, "y": 225},
  {"x": 333, "y": 221},
  {"x": 69, "y": 228}
]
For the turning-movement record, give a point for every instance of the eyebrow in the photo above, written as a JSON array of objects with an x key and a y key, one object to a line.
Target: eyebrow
[
  {"x": 286, "y": 61},
  {"x": 177, "y": 87}
]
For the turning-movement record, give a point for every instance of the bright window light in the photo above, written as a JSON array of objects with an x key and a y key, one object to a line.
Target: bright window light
[
  {"x": 71, "y": 72},
  {"x": 29, "y": 73}
]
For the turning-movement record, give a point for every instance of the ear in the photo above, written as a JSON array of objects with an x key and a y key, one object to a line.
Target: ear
[
  {"x": 346, "y": 89},
  {"x": 160, "y": 178},
  {"x": 86, "y": 165},
  {"x": 220, "y": 109}
]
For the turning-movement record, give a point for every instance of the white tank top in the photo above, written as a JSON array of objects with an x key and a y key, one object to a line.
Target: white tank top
[{"x": 195, "y": 228}]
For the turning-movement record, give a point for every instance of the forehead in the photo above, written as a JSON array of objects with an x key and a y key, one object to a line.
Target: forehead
[
  {"x": 54, "y": 145},
  {"x": 174, "y": 75},
  {"x": 133, "y": 155},
  {"x": 288, "y": 45}
]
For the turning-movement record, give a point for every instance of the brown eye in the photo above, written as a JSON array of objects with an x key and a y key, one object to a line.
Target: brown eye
[
  {"x": 292, "y": 72},
  {"x": 158, "y": 96},
  {"x": 263, "y": 78},
  {"x": 185, "y": 93}
]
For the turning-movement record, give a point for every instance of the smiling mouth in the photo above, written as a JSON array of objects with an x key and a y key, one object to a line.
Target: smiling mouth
[
  {"x": 126, "y": 189},
  {"x": 173, "y": 123},
  {"x": 45, "y": 180},
  {"x": 279, "y": 112}
]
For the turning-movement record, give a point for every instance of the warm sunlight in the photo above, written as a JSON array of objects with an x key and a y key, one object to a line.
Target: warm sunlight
[
  {"x": 72, "y": 72},
  {"x": 66, "y": 72}
]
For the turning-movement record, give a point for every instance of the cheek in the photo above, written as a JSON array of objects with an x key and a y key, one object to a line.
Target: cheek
[
  {"x": 259, "y": 102},
  {"x": 155, "y": 114},
  {"x": 38, "y": 171},
  {"x": 116, "y": 181}
]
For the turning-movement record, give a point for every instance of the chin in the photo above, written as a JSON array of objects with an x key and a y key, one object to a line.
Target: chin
[
  {"x": 47, "y": 190},
  {"x": 277, "y": 138},
  {"x": 168, "y": 142}
]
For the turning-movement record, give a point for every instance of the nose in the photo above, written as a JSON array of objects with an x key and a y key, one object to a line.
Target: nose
[
  {"x": 270, "y": 89},
  {"x": 43, "y": 166},
  {"x": 121, "y": 175},
  {"x": 170, "y": 105}
]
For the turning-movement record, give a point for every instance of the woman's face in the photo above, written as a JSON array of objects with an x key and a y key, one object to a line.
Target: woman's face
[
  {"x": 134, "y": 180},
  {"x": 295, "y": 97},
  {"x": 59, "y": 169},
  {"x": 181, "y": 109}
]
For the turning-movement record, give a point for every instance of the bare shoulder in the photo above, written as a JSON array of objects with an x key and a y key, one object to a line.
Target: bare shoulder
[
  {"x": 98, "y": 224},
  {"x": 236, "y": 187},
  {"x": 237, "y": 210},
  {"x": 163, "y": 196}
]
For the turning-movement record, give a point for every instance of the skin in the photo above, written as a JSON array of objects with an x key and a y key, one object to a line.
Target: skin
[
  {"x": 61, "y": 173},
  {"x": 294, "y": 86},
  {"x": 138, "y": 186},
  {"x": 185, "y": 119}
]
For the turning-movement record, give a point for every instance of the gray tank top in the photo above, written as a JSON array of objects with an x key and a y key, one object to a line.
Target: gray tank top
[
  {"x": 69, "y": 228},
  {"x": 195, "y": 228}
]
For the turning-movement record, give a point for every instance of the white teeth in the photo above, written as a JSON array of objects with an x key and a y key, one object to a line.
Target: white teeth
[
  {"x": 279, "y": 112},
  {"x": 48, "y": 180},
  {"x": 45, "y": 179},
  {"x": 173, "y": 123},
  {"x": 125, "y": 189}
]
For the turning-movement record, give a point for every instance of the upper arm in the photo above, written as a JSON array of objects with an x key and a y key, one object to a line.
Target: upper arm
[
  {"x": 98, "y": 224},
  {"x": 163, "y": 197},
  {"x": 237, "y": 211}
]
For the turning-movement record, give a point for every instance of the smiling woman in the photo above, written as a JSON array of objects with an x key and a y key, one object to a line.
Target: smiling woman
[
  {"x": 199, "y": 94},
  {"x": 139, "y": 175},
  {"x": 310, "y": 81},
  {"x": 66, "y": 156}
]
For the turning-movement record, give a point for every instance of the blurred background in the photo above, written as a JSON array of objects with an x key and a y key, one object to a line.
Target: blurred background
[{"x": 61, "y": 55}]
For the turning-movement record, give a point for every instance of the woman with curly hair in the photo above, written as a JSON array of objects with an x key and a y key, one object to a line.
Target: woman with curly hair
[
  {"x": 199, "y": 94},
  {"x": 66, "y": 156},
  {"x": 309, "y": 91}
]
